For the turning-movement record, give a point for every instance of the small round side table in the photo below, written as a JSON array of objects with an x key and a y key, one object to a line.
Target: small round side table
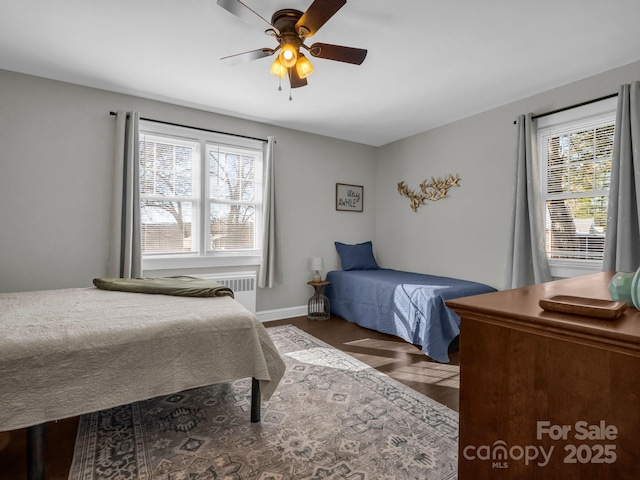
[{"x": 318, "y": 303}]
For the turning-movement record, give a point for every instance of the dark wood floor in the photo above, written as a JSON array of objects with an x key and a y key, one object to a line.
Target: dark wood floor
[{"x": 390, "y": 355}]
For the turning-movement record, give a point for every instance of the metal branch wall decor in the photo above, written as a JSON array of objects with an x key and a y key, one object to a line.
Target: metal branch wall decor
[{"x": 433, "y": 190}]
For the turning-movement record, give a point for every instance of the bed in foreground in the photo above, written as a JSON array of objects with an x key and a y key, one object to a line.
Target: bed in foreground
[
  {"x": 68, "y": 352},
  {"x": 408, "y": 305}
]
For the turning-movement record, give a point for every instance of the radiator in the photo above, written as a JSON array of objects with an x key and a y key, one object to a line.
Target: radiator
[{"x": 243, "y": 285}]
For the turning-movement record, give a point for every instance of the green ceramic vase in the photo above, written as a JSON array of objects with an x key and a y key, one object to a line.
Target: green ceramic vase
[{"x": 624, "y": 287}]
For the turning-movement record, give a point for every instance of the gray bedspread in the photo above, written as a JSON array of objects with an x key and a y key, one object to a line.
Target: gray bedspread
[{"x": 68, "y": 352}]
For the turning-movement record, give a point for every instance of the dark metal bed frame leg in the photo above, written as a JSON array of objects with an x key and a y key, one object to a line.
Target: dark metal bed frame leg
[
  {"x": 35, "y": 452},
  {"x": 256, "y": 398}
]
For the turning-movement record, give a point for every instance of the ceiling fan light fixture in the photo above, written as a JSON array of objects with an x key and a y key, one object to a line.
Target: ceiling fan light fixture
[
  {"x": 278, "y": 69},
  {"x": 304, "y": 66},
  {"x": 289, "y": 55},
  {"x": 291, "y": 27}
]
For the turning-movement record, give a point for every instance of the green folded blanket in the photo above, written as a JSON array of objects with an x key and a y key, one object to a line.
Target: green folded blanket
[{"x": 180, "y": 286}]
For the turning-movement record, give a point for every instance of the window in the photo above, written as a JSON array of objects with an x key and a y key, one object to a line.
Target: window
[
  {"x": 169, "y": 179},
  {"x": 575, "y": 150},
  {"x": 232, "y": 198},
  {"x": 200, "y": 198}
]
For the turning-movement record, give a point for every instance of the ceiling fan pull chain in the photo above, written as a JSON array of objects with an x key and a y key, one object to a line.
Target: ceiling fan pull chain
[
  {"x": 279, "y": 84},
  {"x": 290, "y": 97}
]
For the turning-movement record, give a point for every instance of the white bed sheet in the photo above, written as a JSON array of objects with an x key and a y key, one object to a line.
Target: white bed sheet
[{"x": 68, "y": 352}]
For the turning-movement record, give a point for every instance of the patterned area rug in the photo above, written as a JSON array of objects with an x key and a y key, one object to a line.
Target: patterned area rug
[{"x": 332, "y": 417}]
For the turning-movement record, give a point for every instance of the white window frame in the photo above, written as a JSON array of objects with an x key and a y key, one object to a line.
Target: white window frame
[
  {"x": 604, "y": 110},
  {"x": 202, "y": 257}
]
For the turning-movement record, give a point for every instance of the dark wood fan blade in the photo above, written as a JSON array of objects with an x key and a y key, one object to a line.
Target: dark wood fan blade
[
  {"x": 247, "y": 56},
  {"x": 295, "y": 80},
  {"x": 240, "y": 10},
  {"x": 338, "y": 53},
  {"x": 317, "y": 15}
]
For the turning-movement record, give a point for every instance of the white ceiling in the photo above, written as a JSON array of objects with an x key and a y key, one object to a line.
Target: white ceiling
[{"x": 429, "y": 62}]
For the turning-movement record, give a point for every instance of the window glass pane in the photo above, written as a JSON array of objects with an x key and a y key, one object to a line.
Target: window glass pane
[
  {"x": 166, "y": 226},
  {"x": 232, "y": 227},
  {"x": 166, "y": 169},
  {"x": 576, "y": 227},
  {"x": 572, "y": 164},
  {"x": 578, "y": 175},
  {"x": 231, "y": 176},
  {"x": 173, "y": 170}
]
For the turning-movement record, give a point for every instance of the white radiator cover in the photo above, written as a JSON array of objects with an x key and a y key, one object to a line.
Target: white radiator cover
[{"x": 243, "y": 285}]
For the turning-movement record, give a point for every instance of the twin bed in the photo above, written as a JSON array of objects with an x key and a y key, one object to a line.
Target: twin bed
[
  {"x": 64, "y": 353},
  {"x": 408, "y": 305}
]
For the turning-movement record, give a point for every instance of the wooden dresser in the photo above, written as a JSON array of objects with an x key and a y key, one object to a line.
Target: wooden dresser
[{"x": 547, "y": 395}]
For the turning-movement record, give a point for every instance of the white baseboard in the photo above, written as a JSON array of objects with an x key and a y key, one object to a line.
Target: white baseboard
[{"x": 282, "y": 313}]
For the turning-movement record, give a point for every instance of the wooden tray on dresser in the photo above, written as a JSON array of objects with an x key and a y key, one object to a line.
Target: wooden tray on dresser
[{"x": 590, "y": 307}]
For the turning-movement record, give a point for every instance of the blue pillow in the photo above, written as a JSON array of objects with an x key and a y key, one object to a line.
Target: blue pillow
[{"x": 357, "y": 257}]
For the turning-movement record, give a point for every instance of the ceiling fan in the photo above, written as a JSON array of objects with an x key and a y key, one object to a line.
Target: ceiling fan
[{"x": 290, "y": 28}]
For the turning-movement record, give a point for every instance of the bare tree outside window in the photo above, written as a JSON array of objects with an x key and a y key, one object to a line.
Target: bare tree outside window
[
  {"x": 232, "y": 190},
  {"x": 166, "y": 196}
]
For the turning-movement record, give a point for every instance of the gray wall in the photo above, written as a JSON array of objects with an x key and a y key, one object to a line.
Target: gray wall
[
  {"x": 55, "y": 186},
  {"x": 466, "y": 234}
]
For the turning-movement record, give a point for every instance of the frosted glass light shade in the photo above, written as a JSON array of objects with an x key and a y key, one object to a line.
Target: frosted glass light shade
[
  {"x": 278, "y": 69},
  {"x": 303, "y": 66}
]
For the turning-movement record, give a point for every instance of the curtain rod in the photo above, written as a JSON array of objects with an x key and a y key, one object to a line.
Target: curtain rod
[
  {"x": 198, "y": 128},
  {"x": 581, "y": 104}
]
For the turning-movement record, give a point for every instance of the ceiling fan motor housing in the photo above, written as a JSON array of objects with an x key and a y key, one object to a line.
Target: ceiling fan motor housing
[{"x": 285, "y": 22}]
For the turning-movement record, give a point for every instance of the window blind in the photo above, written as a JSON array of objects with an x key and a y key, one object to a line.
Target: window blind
[
  {"x": 233, "y": 194},
  {"x": 576, "y": 160},
  {"x": 168, "y": 181}
]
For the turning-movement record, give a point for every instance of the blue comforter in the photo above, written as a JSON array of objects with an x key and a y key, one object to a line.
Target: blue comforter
[{"x": 408, "y": 305}]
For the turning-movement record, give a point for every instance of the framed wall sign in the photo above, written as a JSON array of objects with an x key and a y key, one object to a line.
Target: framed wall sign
[{"x": 349, "y": 198}]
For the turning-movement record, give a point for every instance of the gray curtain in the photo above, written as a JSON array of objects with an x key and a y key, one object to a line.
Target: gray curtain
[
  {"x": 622, "y": 243},
  {"x": 269, "y": 273},
  {"x": 125, "y": 248},
  {"x": 527, "y": 262}
]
